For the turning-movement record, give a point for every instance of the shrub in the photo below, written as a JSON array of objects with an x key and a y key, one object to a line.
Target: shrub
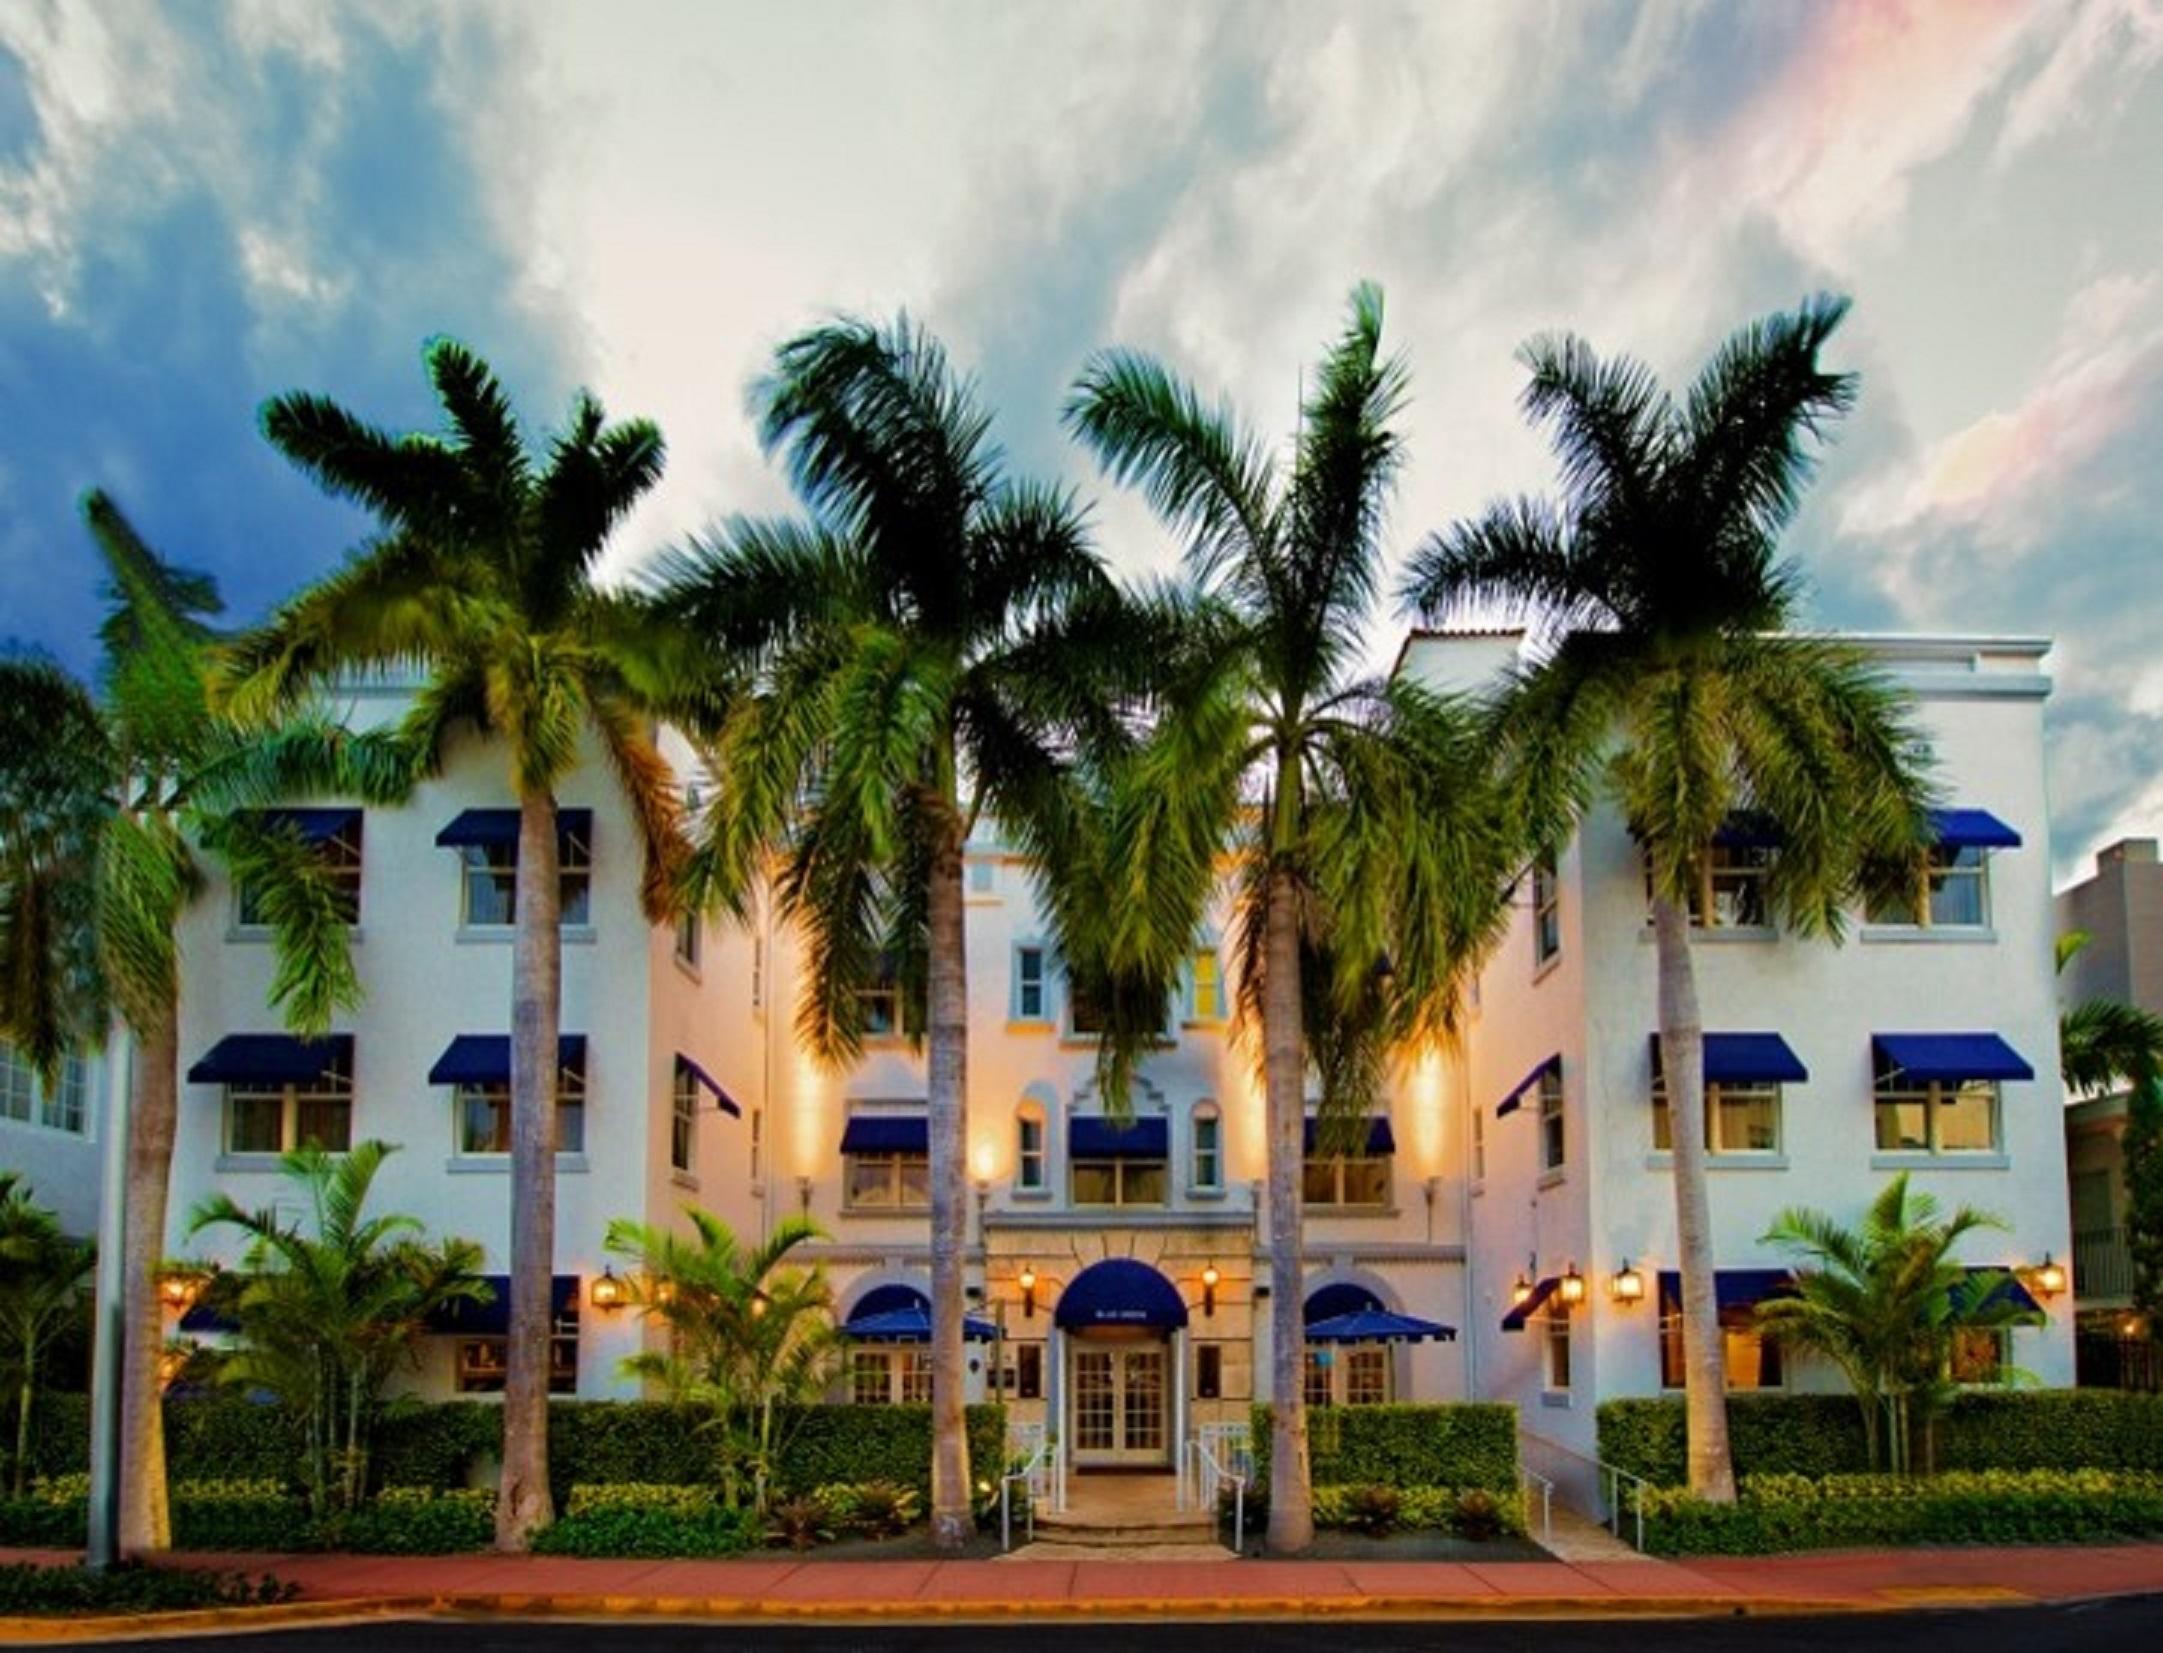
[
  {"x": 1459, "y": 1444},
  {"x": 417, "y": 1521},
  {"x": 1479, "y": 1514},
  {"x": 652, "y": 1519},
  {"x": 131, "y": 1589},
  {"x": 437, "y": 1445},
  {"x": 880, "y": 1509},
  {"x": 1372, "y": 1510},
  {"x": 1473, "y": 1512},
  {"x": 801, "y": 1522},
  {"x": 240, "y": 1514},
  {"x": 56, "y": 1510}
]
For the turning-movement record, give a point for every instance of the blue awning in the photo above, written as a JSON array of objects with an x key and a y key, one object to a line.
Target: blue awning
[
  {"x": 901, "y": 1314},
  {"x": 1972, "y": 829},
  {"x": 272, "y": 1059},
  {"x": 1949, "y": 1058},
  {"x": 726, "y": 1102},
  {"x": 887, "y": 1134},
  {"x": 1094, "y": 1138},
  {"x": 485, "y": 1058},
  {"x": 1339, "y": 1297},
  {"x": 1745, "y": 1059},
  {"x": 1120, "y": 1291},
  {"x": 316, "y": 825},
  {"x": 493, "y": 1318},
  {"x": 1515, "y": 1320},
  {"x": 203, "y": 1317},
  {"x": 1380, "y": 1138},
  {"x": 1378, "y": 1326},
  {"x": 495, "y": 828},
  {"x": 1733, "y": 1288},
  {"x": 1510, "y": 1103},
  {"x": 1999, "y": 1287},
  {"x": 1747, "y": 829}
]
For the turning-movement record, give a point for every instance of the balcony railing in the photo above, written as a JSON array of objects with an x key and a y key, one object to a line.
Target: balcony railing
[{"x": 2102, "y": 1265}]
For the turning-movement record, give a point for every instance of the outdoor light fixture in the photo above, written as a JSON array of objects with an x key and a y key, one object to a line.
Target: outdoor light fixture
[
  {"x": 606, "y": 1293},
  {"x": 1210, "y": 1277},
  {"x": 760, "y": 1303},
  {"x": 2050, "y": 1277},
  {"x": 1628, "y": 1286},
  {"x": 1520, "y": 1290},
  {"x": 1571, "y": 1287},
  {"x": 1027, "y": 1281},
  {"x": 176, "y": 1290}
]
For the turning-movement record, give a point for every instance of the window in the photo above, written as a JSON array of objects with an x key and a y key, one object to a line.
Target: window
[
  {"x": 1208, "y": 1148},
  {"x": 1751, "y": 1359},
  {"x": 1729, "y": 893},
  {"x": 491, "y": 880},
  {"x": 1546, "y": 910},
  {"x": 683, "y": 1119},
  {"x": 758, "y": 1146},
  {"x": 1953, "y": 893},
  {"x": 1032, "y": 996},
  {"x": 65, "y": 1106},
  {"x": 1317, "y": 1379},
  {"x": 1209, "y": 1371},
  {"x": 18, "y": 1086},
  {"x": 882, "y": 1005},
  {"x": 1555, "y": 1375},
  {"x": 1739, "y": 1118},
  {"x": 889, "y": 1179},
  {"x": 1208, "y": 998},
  {"x": 1935, "y": 1117},
  {"x": 1029, "y": 1166},
  {"x": 1085, "y": 1015},
  {"x": 688, "y": 940},
  {"x": 1554, "y": 1136},
  {"x": 1479, "y": 1145},
  {"x": 1029, "y": 1371},
  {"x": 983, "y": 878},
  {"x": 1346, "y": 1179},
  {"x": 340, "y": 855},
  {"x": 1120, "y": 1182},
  {"x": 1980, "y": 1355},
  {"x": 484, "y": 1113},
  {"x": 273, "y": 1119},
  {"x": 1366, "y": 1375},
  {"x": 484, "y": 1362},
  {"x": 889, "y": 1377},
  {"x": 61, "y": 1107}
]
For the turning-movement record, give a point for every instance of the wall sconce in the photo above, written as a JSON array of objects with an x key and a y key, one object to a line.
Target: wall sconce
[
  {"x": 1027, "y": 1281},
  {"x": 178, "y": 1289},
  {"x": 2050, "y": 1276},
  {"x": 664, "y": 1292},
  {"x": 1210, "y": 1277},
  {"x": 1571, "y": 1287},
  {"x": 803, "y": 1195},
  {"x": 983, "y": 1198},
  {"x": 606, "y": 1293},
  {"x": 760, "y": 1303},
  {"x": 1628, "y": 1285},
  {"x": 1520, "y": 1291}
]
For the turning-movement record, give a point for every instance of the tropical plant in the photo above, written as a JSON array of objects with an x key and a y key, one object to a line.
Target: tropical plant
[
  {"x": 1368, "y": 853},
  {"x": 914, "y": 655},
  {"x": 750, "y": 1336},
  {"x": 484, "y": 579},
  {"x": 1673, "y": 681},
  {"x": 1885, "y": 1303},
  {"x": 327, "y": 1317},
  {"x": 2107, "y": 1044},
  {"x": 44, "y": 1282},
  {"x": 107, "y": 796}
]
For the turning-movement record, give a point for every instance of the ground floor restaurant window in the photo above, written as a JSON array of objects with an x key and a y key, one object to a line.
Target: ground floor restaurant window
[
  {"x": 1751, "y": 1359},
  {"x": 1348, "y": 1374},
  {"x": 890, "y": 1376},
  {"x": 483, "y": 1362}
]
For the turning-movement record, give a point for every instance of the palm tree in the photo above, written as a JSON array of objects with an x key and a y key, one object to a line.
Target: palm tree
[
  {"x": 2105, "y": 1044},
  {"x": 1675, "y": 684},
  {"x": 1885, "y": 1303},
  {"x": 106, "y": 796},
  {"x": 44, "y": 1277},
  {"x": 484, "y": 579},
  {"x": 326, "y": 1318},
  {"x": 913, "y": 653},
  {"x": 751, "y": 1337},
  {"x": 1368, "y": 855}
]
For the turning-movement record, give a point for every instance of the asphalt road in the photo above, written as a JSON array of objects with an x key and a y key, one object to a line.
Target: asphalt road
[{"x": 2096, "y": 1626}]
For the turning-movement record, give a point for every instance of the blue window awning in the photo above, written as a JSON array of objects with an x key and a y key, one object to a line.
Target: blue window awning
[
  {"x": 1379, "y": 1326},
  {"x": 1515, "y": 1320},
  {"x": 1733, "y": 1288},
  {"x": 497, "y": 828},
  {"x": 1948, "y": 1058},
  {"x": 1380, "y": 1139},
  {"x": 1972, "y": 829},
  {"x": 1096, "y": 1138},
  {"x": 493, "y": 1318},
  {"x": 1997, "y": 1288},
  {"x": 272, "y": 1059},
  {"x": 722, "y": 1099},
  {"x": 1120, "y": 1291},
  {"x": 1512, "y": 1102},
  {"x": 901, "y": 1314},
  {"x": 1745, "y": 1059},
  {"x": 1747, "y": 829},
  {"x": 316, "y": 825},
  {"x": 485, "y": 1058},
  {"x": 886, "y": 1134}
]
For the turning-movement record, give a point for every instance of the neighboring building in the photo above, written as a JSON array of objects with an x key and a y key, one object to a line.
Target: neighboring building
[
  {"x": 2120, "y": 908},
  {"x": 50, "y": 1135}
]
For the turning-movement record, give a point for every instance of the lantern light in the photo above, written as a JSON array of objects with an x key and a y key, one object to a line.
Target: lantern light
[
  {"x": 606, "y": 1293},
  {"x": 2050, "y": 1277},
  {"x": 177, "y": 1289},
  {"x": 1571, "y": 1287},
  {"x": 1027, "y": 1281},
  {"x": 1628, "y": 1285},
  {"x": 1210, "y": 1277},
  {"x": 1521, "y": 1291}
]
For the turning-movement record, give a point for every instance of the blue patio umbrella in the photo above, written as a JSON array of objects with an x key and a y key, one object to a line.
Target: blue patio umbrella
[{"x": 1378, "y": 1326}]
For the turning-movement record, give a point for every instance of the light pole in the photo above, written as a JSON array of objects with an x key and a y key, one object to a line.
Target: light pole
[{"x": 109, "y": 1343}]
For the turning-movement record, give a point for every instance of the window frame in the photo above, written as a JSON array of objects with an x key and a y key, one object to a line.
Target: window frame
[
  {"x": 689, "y": 942},
  {"x": 1119, "y": 1166},
  {"x": 1717, "y": 1094},
  {"x": 1737, "y": 1321},
  {"x": 1725, "y": 869},
  {"x": 1932, "y": 1097},
  {"x": 44, "y": 1105},
  {"x": 1031, "y": 1115},
  {"x": 1339, "y": 1167},
  {"x": 1205, "y": 1119},
  {"x": 332, "y": 1088},
  {"x": 1944, "y": 863},
  {"x": 1556, "y": 1343},
  {"x": 571, "y": 1093},
  {"x": 683, "y": 1120},
  {"x": 1201, "y": 978},
  {"x": 1018, "y": 1001},
  {"x": 1553, "y": 1117},
  {"x": 470, "y": 1376},
  {"x": 1546, "y": 912},
  {"x": 1478, "y": 1153},
  {"x": 895, "y": 1162},
  {"x": 343, "y": 855},
  {"x": 498, "y": 863}
]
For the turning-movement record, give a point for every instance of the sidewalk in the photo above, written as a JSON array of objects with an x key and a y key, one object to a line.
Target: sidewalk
[{"x": 781, "y": 1587}]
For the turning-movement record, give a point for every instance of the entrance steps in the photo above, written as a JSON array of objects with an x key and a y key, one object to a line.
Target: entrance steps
[{"x": 1125, "y": 1512}]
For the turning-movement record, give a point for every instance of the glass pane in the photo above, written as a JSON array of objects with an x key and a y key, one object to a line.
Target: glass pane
[
  {"x": 1965, "y": 1119},
  {"x": 916, "y": 1377},
  {"x": 1143, "y": 1182},
  {"x": 1903, "y": 1124},
  {"x": 1096, "y": 1182},
  {"x": 1318, "y": 1373},
  {"x": 490, "y": 891},
  {"x": 1093, "y": 1400},
  {"x": 1366, "y": 1182},
  {"x": 1366, "y": 1376},
  {"x": 257, "y": 1123},
  {"x": 1318, "y": 1182},
  {"x": 869, "y": 1383},
  {"x": 1956, "y": 896},
  {"x": 484, "y": 1120},
  {"x": 1142, "y": 1398},
  {"x": 915, "y": 1179},
  {"x": 577, "y": 897},
  {"x": 1749, "y": 1120},
  {"x": 325, "y": 1122},
  {"x": 870, "y": 1179},
  {"x": 1558, "y": 1352},
  {"x": 570, "y": 1127}
]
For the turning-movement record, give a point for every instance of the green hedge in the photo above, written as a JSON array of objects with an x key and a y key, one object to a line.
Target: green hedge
[
  {"x": 1819, "y": 1435},
  {"x": 1794, "y": 1512},
  {"x": 1455, "y": 1444},
  {"x": 660, "y": 1519}
]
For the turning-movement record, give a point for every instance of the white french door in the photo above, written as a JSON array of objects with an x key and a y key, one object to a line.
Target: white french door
[{"x": 1119, "y": 1405}]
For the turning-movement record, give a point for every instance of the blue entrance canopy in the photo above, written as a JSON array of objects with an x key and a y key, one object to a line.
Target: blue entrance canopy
[
  {"x": 1379, "y": 1138},
  {"x": 1510, "y": 1103},
  {"x": 901, "y": 1314},
  {"x": 1733, "y": 1288},
  {"x": 1378, "y": 1326},
  {"x": 485, "y": 1058},
  {"x": 1119, "y": 1292},
  {"x": 1972, "y": 829},
  {"x": 1949, "y": 1058},
  {"x": 493, "y": 1318},
  {"x": 272, "y": 1059},
  {"x": 496, "y": 828},
  {"x": 726, "y": 1102},
  {"x": 886, "y": 1134},
  {"x": 1745, "y": 1059},
  {"x": 1097, "y": 1138}
]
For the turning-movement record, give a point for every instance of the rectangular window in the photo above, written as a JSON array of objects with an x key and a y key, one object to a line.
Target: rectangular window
[
  {"x": 882, "y": 1006},
  {"x": 1208, "y": 1150},
  {"x": 1337, "y": 1180},
  {"x": 1029, "y": 1371},
  {"x": 484, "y": 1114},
  {"x": 1936, "y": 1117},
  {"x": 1366, "y": 1375},
  {"x": 1751, "y": 1360},
  {"x": 1554, "y": 1138},
  {"x": 1479, "y": 1145},
  {"x": 1739, "y": 1118},
  {"x": 66, "y": 1104},
  {"x": 491, "y": 881},
  {"x": 683, "y": 1119},
  {"x": 688, "y": 940},
  {"x": 1953, "y": 893},
  {"x": 1729, "y": 892},
  {"x": 1980, "y": 1355},
  {"x": 889, "y": 1180},
  {"x": 1032, "y": 999},
  {"x": 1208, "y": 986},
  {"x": 1546, "y": 910},
  {"x": 983, "y": 878},
  {"x": 1317, "y": 1377},
  {"x": 871, "y": 1380},
  {"x": 1209, "y": 1371},
  {"x": 1120, "y": 1182},
  {"x": 1556, "y": 1374},
  {"x": 483, "y": 1363},
  {"x": 915, "y": 1365},
  {"x": 340, "y": 855},
  {"x": 1029, "y": 1153},
  {"x": 273, "y": 1119}
]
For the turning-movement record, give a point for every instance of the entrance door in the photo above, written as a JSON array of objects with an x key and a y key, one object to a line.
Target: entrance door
[{"x": 1119, "y": 1405}]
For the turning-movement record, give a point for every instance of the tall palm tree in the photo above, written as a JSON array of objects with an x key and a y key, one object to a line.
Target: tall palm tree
[
  {"x": 2104, "y": 1044},
  {"x": 107, "y": 796},
  {"x": 1675, "y": 683},
  {"x": 1369, "y": 857},
  {"x": 483, "y": 579},
  {"x": 913, "y": 653},
  {"x": 44, "y": 1280}
]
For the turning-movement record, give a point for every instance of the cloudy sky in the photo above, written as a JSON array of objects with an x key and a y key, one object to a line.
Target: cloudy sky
[{"x": 201, "y": 205}]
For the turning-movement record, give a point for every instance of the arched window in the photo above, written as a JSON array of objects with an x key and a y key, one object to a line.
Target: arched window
[
  {"x": 1208, "y": 1148},
  {"x": 1029, "y": 1167}
]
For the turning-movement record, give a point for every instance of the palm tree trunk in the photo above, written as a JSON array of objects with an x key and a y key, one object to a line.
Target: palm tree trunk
[
  {"x": 22, "y": 1415},
  {"x": 947, "y": 993},
  {"x": 153, "y": 1109},
  {"x": 1682, "y": 1058},
  {"x": 522, "y": 1502},
  {"x": 1284, "y": 1082}
]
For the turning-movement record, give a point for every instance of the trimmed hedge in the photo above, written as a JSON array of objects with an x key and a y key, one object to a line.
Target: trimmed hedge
[
  {"x": 1461, "y": 1444},
  {"x": 1819, "y": 1435},
  {"x": 132, "y": 1589},
  {"x": 1793, "y": 1512},
  {"x": 659, "y": 1519}
]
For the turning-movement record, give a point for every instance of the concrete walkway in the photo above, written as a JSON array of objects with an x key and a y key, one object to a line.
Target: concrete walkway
[{"x": 784, "y": 1587}]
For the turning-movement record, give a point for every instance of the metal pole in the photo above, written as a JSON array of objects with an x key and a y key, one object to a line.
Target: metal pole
[{"x": 110, "y": 1307}]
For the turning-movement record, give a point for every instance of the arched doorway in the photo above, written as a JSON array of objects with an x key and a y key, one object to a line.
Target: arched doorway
[{"x": 1120, "y": 1321}]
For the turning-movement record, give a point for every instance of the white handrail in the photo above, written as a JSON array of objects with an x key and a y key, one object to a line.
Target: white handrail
[
  {"x": 1030, "y": 1473},
  {"x": 1612, "y": 1477},
  {"x": 1210, "y": 1475},
  {"x": 1526, "y": 1479}
]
